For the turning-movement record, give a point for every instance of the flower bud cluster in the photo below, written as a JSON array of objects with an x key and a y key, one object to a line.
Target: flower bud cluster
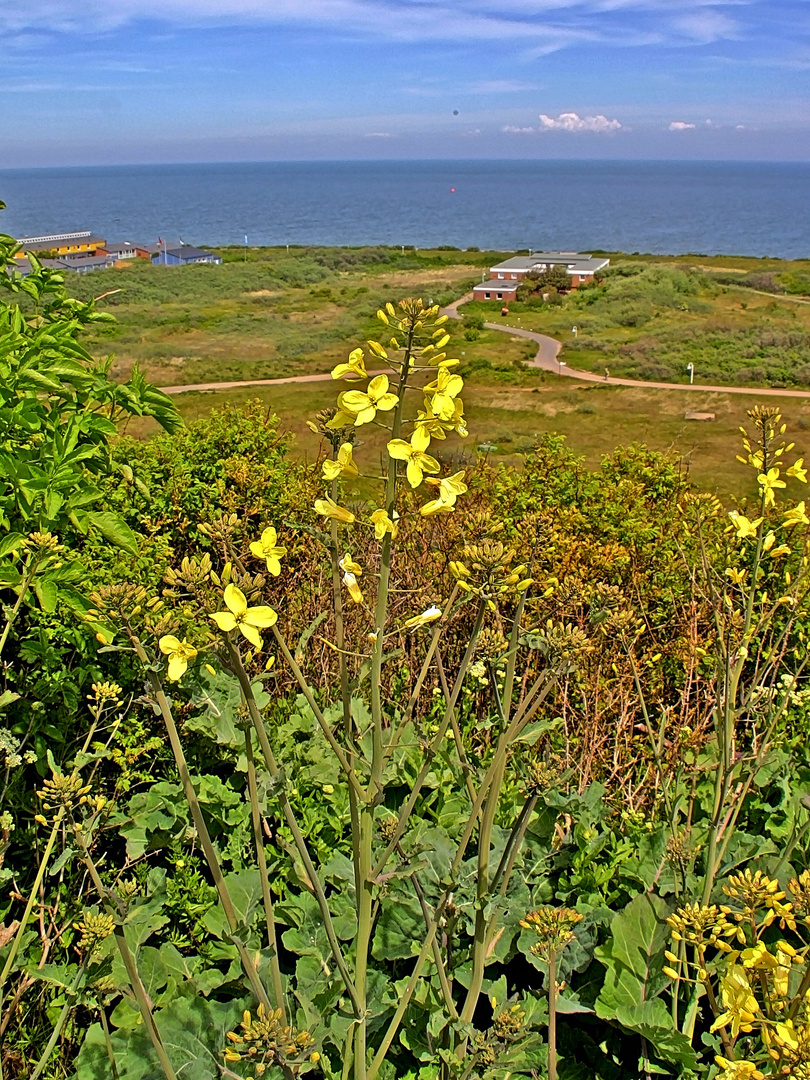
[{"x": 268, "y": 1041}]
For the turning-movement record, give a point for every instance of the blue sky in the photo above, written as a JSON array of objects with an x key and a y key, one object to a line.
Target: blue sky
[{"x": 125, "y": 81}]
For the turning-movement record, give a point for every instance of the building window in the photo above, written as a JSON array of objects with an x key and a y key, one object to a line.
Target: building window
[
  {"x": 500, "y": 296},
  {"x": 486, "y": 295}
]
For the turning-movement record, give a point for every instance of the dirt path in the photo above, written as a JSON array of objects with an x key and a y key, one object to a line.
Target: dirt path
[
  {"x": 546, "y": 358},
  {"x": 548, "y": 349}
]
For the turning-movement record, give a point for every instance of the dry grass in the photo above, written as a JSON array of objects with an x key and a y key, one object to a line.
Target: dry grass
[{"x": 594, "y": 419}]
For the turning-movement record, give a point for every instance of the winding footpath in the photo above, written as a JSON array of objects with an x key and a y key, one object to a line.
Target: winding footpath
[{"x": 546, "y": 358}]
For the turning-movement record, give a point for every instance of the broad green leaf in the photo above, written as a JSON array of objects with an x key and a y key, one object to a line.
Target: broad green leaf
[{"x": 115, "y": 529}]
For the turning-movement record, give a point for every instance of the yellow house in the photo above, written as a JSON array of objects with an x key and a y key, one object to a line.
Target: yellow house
[{"x": 75, "y": 243}]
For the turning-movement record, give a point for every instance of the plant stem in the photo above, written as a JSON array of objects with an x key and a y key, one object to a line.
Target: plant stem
[
  {"x": 289, "y": 817},
  {"x": 258, "y": 839},
  {"x": 552, "y": 1015},
  {"x": 60, "y": 1023},
  {"x": 206, "y": 843}
]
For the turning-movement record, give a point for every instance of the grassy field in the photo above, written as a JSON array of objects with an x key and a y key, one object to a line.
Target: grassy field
[
  {"x": 650, "y": 320},
  {"x": 275, "y": 315},
  {"x": 595, "y": 419},
  {"x": 280, "y": 314}
]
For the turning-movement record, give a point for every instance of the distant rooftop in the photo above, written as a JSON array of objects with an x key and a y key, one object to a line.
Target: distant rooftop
[
  {"x": 54, "y": 237},
  {"x": 573, "y": 260}
]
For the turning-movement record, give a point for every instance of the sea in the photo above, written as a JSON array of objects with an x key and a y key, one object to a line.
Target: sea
[{"x": 660, "y": 207}]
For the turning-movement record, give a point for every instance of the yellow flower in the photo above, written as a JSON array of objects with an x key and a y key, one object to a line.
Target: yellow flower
[
  {"x": 349, "y": 566},
  {"x": 365, "y": 406},
  {"x": 414, "y": 453},
  {"x": 769, "y": 482},
  {"x": 248, "y": 620},
  {"x": 744, "y": 527},
  {"x": 442, "y": 392},
  {"x": 355, "y": 592},
  {"x": 179, "y": 654},
  {"x": 798, "y": 470},
  {"x": 266, "y": 549},
  {"x": 450, "y": 487},
  {"x": 355, "y": 368},
  {"x": 796, "y": 516},
  {"x": 383, "y": 524},
  {"x": 736, "y": 577},
  {"x": 739, "y": 1070},
  {"x": 739, "y": 1002},
  {"x": 343, "y": 466},
  {"x": 428, "y": 616},
  {"x": 328, "y": 508}
]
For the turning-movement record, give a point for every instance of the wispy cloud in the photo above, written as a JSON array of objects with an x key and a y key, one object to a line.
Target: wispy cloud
[
  {"x": 378, "y": 135},
  {"x": 573, "y": 122},
  {"x": 681, "y": 125}
]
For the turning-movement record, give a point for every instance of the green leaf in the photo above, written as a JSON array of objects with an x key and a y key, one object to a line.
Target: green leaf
[
  {"x": 10, "y": 542},
  {"x": 634, "y": 979},
  {"x": 115, "y": 529}
]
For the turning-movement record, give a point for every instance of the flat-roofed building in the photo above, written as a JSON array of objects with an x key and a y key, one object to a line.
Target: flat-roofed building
[
  {"x": 579, "y": 267},
  {"x": 184, "y": 256},
  {"x": 126, "y": 249},
  {"x": 61, "y": 244}
]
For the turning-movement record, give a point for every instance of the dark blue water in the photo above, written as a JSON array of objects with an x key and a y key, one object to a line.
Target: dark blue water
[{"x": 663, "y": 207}]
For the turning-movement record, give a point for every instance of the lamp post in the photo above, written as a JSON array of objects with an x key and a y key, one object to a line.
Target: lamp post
[{"x": 691, "y": 369}]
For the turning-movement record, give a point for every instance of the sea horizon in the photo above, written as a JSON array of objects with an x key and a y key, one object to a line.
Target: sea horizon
[{"x": 655, "y": 205}]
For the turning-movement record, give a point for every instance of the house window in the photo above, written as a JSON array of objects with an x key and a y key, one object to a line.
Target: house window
[
  {"x": 500, "y": 296},
  {"x": 486, "y": 295}
]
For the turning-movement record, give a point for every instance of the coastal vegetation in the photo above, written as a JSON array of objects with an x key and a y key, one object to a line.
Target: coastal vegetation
[{"x": 399, "y": 762}]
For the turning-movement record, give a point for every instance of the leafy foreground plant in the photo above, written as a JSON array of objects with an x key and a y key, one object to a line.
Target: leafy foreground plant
[
  {"x": 391, "y": 876},
  {"x": 435, "y": 896}
]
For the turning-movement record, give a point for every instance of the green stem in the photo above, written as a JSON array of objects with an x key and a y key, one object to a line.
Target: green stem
[
  {"x": 267, "y": 900},
  {"x": 289, "y": 816},
  {"x": 138, "y": 989},
  {"x": 552, "y": 1015},
  {"x": 209, "y": 851},
  {"x": 60, "y": 1023}
]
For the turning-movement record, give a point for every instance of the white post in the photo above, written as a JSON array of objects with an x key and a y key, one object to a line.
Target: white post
[{"x": 691, "y": 369}]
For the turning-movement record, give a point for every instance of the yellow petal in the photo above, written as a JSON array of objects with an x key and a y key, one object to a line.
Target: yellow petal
[
  {"x": 235, "y": 600},
  {"x": 260, "y": 616},
  {"x": 177, "y": 667},
  {"x": 224, "y": 620},
  {"x": 168, "y": 644},
  {"x": 252, "y": 634}
]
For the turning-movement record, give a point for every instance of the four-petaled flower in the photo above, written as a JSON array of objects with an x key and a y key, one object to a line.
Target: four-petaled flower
[
  {"x": 442, "y": 393},
  {"x": 355, "y": 367},
  {"x": 179, "y": 654},
  {"x": 796, "y": 516},
  {"x": 266, "y": 549},
  {"x": 414, "y": 453},
  {"x": 343, "y": 466},
  {"x": 328, "y": 508},
  {"x": 768, "y": 482},
  {"x": 798, "y": 471},
  {"x": 383, "y": 524},
  {"x": 239, "y": 615},
  {"x": 739, "y": 1002},
  {"x": 744, "y": 527},
  {"x": 450, "y": 487},
  {"x": 365, "y": 406}
]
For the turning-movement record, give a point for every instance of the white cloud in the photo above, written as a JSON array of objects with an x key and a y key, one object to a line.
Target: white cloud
[
  {"x": 706, "y": 26},
  {"x": 512, "y": 129},
  {"x": 379, "y": 135},
  {"x": 571, "y": 121},
  {"x": 680, "y": 125}
]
